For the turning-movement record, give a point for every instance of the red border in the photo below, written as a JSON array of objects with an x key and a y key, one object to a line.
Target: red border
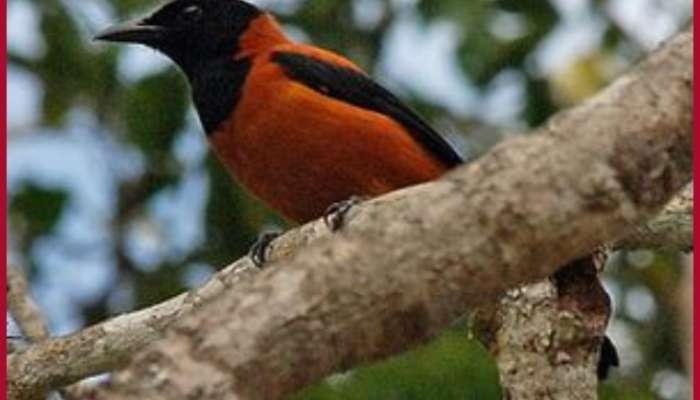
[{"x": 3, "y": 197}]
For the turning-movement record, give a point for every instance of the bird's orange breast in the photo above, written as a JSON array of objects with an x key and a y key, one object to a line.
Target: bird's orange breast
[{"x": 301, "y": 151}]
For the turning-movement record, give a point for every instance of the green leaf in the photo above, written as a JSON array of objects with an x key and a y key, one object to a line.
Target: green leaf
[
  {"x": 158, "y": 285},
  {"x": 540, "y": 105},
  {"x": 39, "y": 208},
  {"x": 129, "y": 8},
  {"x": 154, "y": 112},
  {"x": 64, "y": 66}
]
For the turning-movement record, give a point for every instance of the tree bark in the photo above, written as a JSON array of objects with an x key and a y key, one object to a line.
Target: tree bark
[
  {"x": 409, "y": 263},
  {"x": 546, "y": 337},
  {"x": 671, "y": 230},
  {"x": 22, "y": 307}
]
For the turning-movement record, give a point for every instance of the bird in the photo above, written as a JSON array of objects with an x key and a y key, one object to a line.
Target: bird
[{"x": 305, "y": 130}]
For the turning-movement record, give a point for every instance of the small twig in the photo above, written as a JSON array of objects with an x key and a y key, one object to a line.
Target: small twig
[{"x": 23, "y": 308}]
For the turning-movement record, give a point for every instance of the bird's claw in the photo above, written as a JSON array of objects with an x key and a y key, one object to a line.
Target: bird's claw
[
  {"x": 258, "y": 251},
  {"x": 334, "y": 217}
]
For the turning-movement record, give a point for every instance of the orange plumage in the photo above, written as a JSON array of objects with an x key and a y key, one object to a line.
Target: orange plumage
[
  {"x": 301, "y": 127},
  {"x": 300, "y": 151}
]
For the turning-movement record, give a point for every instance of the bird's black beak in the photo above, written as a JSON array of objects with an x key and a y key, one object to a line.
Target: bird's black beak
[{"x": 133, "y": 32}]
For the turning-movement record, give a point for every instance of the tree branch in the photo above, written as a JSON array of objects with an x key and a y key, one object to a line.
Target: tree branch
[
  {"x": 409, "y": 263},
  {"x": 125, "y": 335},
  {"x": 546, "y": 337},
  {"x": 671, "y": 230},
  {"x": 23, "y": 308}
]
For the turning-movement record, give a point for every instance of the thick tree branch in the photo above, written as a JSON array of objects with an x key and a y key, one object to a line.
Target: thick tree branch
[
  {"x": 127, "y": 334},
  {"x": 123, "y": 336},
  {"x": 409, "y": 263}
]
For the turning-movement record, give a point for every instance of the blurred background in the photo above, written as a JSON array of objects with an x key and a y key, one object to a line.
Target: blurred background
[{"x": 116, "y": 203}]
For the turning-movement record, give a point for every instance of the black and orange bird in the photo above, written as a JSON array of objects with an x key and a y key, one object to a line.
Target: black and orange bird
[
  {"x": 304, "y": 129},
  {"x": 300, "y": 127}
]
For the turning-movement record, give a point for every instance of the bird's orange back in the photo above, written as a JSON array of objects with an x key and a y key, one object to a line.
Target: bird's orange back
[{"x": 299, "y": 150}]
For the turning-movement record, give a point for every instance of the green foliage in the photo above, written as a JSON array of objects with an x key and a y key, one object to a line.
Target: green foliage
[
  {"x": 451, "y": 367},
  {"x": 358, "y": 43},
  {"x": 154, "y": 111},
  {"x": 64, "y": 68},
  {"x": 128, "y": 8},
  {"x": 162, "y": 283},
  {"x": 39, "y": 209},
  {"x": 619, "y": 391}
]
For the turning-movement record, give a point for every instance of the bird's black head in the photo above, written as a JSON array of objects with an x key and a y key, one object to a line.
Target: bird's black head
[{"x": 190, "y": 32}]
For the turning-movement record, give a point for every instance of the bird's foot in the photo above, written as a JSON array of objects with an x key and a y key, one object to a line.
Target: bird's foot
[
  {"x": 258, "y": 251},
  {"x": 334, "y": 217}
]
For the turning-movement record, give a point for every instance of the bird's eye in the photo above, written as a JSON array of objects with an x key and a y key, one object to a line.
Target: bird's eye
[{"x": 191, "y": 14}]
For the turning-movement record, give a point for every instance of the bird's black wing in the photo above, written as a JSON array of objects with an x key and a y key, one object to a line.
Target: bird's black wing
[{"x": 358, "y": 89}]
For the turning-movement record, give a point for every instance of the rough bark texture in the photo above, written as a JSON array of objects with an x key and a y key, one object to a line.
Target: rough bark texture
[
  {"x": 671, "y": 230},
  {"x": 409, "y": 263},
  {"x": 109, "y": 345},
  {"x": 128, "y": 334},
  {"x": 546, "y": 336}
]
